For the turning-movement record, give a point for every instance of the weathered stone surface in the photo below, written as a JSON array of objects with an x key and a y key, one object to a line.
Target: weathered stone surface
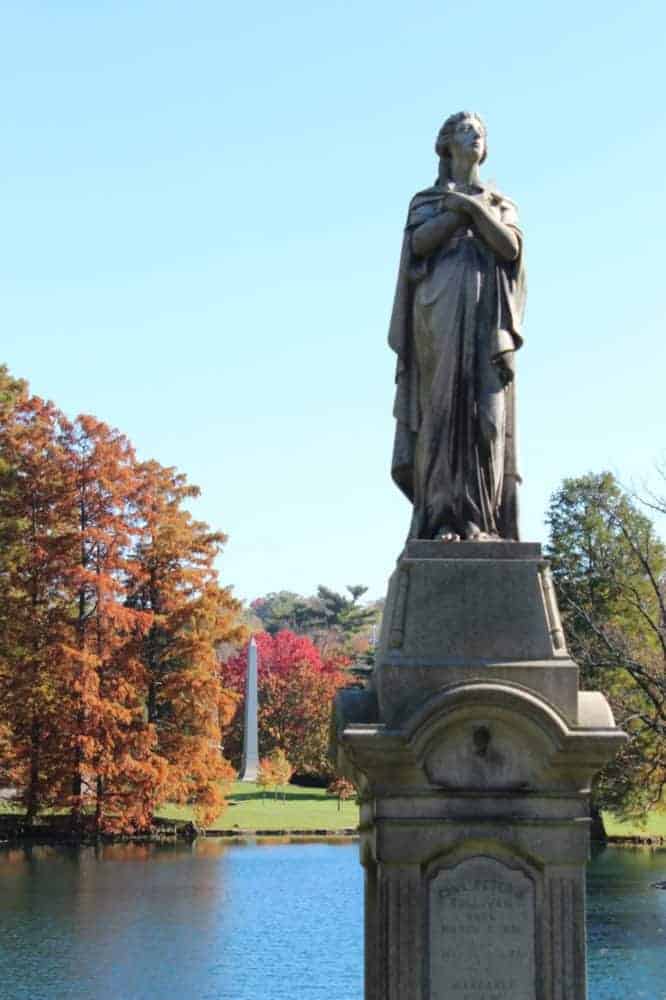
[
  {"x": 479, "y": 609},
  {"x": 474, "y": 771},
  {"x": 482, "y": 916},
  {"x": 462, "y": 608},
  {"x": 418, "y": 548},
  {"x": 404, "y": 685}
]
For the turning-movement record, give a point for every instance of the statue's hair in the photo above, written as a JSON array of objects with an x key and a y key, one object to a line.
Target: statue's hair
[{"x": 448, "y": 128}]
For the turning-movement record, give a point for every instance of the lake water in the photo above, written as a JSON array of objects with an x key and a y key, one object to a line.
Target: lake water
[{"x": 257, "y": 922}]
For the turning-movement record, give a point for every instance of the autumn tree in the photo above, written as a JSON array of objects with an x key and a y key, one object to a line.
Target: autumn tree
[
  {"x": 281, "y": 767},
  {"x": 111, "y": 618},
  {"x": 266, "y": 779},
  {"x": 115, "y": 763},
  {"x": 71, "y": 678},
  {"x": 12, "y": 392},
  {"x": 296, "y": 686},
  {"x": 34, "y": 603},
  {"x": 174, "y": 580},
  {"x": 274, "y": 771},
  {"x": 342, "y": 789},
  {"x": 608, "y": 566}
]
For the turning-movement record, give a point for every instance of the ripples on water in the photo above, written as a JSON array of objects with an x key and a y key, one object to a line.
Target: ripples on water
[
  {"x": 626, "y": 925},
  {"x": 256, "y": 922}
]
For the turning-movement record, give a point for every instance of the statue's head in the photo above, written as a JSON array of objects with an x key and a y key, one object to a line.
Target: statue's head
[{"x": 465, "y": 130}]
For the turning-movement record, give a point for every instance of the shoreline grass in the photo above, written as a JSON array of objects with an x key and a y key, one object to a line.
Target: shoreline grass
[
  {"x": 290, "y": 808},
  {"x": 654, "y": 826},
  {"x": 250, "y": 808}
]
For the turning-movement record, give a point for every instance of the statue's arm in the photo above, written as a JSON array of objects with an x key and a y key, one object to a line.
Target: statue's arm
[
  {"x": 502, "y": 239},
  {"x": 435, "y": 232}
]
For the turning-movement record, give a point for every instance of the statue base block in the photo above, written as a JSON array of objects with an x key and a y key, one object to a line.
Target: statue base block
[{"x": 473, "y": 752}]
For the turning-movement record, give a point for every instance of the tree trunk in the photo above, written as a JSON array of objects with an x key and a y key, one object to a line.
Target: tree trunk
[
  {"x": 597, "y": 828},
  {"x": 32, "y": 792},
  {"x": 98, "y": 804}
]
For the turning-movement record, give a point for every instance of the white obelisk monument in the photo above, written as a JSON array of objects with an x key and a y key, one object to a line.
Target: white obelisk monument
[{"x": 250, "y": 762}]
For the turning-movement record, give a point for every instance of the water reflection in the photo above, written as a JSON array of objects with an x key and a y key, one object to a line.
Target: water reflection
[
  {"x": 256, "y": 920},
  {"x": 627, "y": 925},
  {"x": 136, "y": 922}
]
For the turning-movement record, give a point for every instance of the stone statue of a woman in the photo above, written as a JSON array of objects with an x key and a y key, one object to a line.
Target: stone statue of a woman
[{"x": 455, "y": 328}]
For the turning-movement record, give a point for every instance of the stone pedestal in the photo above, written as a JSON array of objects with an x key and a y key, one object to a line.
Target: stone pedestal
[{"x": 473, "y": 752}]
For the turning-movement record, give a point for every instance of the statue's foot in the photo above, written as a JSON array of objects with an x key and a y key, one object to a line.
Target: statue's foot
[
  {"x": 473, "y": 533},
  {"x": 448, "y": 535}
]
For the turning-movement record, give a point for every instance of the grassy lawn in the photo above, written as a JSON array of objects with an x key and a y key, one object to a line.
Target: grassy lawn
[
  {"x": 302, "y": 809},
  {"x": 655, "y": 826},
  {"x": 313, "y": 809},
  {"x": 7, "y": 808}
]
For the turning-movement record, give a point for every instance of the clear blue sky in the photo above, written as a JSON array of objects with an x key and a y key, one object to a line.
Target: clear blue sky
[{"x": 202, "y": 208}]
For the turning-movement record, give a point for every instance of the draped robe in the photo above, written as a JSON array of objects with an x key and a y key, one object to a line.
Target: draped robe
[{"x": 455, "y": 314}]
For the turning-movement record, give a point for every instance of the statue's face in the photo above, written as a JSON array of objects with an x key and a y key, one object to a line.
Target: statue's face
[{"x": 467, "y": 139}]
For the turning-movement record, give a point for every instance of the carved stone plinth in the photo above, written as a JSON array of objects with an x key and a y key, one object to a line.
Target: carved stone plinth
[{"x": 473, "y": 753}]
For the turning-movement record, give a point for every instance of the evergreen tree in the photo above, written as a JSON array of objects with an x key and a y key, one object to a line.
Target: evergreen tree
[{"x": 335, "y": 622}]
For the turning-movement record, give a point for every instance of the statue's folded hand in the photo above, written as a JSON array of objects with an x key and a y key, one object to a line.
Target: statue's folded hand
[{"x": 457, "y": 202}]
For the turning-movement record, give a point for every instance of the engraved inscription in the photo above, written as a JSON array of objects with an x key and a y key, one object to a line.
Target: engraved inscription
[{"x": 482, "y": 932}]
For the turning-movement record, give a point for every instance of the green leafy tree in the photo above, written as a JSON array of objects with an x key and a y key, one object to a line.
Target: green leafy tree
[
  {"x": 12, "y": 390},
  {"x": 285, "y": 610},
  {"x": 346, "y": 625},
  {"x": 334, "y": 621},
  {"x": 608, "y": 566},
  {"x": 341, "y": 612}
]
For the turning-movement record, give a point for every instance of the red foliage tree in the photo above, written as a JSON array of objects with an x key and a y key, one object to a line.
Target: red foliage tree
[{"x": 296, "y": 687}]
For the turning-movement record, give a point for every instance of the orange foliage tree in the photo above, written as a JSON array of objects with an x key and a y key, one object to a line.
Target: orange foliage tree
[
  {"x": 34, "y": 603},
  {"x": 176, "y": 582},
  {"x": 274, "y": 771},
  {"x": 342, "y": 789},
  {"x": 111, "y": 614},
  {"x": 114, "y": 761}
]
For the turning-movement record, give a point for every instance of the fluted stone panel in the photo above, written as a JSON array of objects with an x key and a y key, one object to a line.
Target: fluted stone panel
[{"x": 400, "y": 937}]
